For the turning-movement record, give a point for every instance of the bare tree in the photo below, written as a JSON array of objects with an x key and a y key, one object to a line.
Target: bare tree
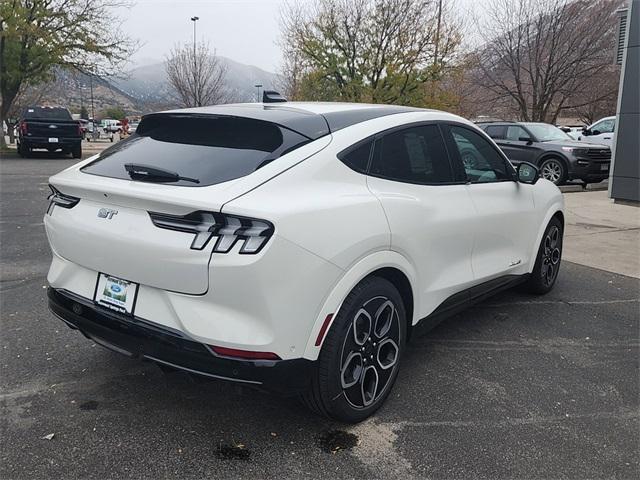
[
  {"x": 541, "y": 52},
  {"x": 196, "y": 76},
  {"x": 365, "y": 50}
]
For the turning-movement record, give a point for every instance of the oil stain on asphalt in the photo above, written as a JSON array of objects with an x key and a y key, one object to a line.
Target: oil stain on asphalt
[{"x": 336, "y": 440}]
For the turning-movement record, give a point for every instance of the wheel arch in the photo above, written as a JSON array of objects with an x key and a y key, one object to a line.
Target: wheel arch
[
  {"x": 555, "y": 210},
  {"x": 553, "y": 154},
  {"x": 389, "y": 265}
]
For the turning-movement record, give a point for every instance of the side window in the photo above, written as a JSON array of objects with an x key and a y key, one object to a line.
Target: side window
[
  {"x": 515, "y": 133},
  {"x": 413, "y": 155},
  {"x": 496, "y": 131},
  {"x": 482, "y": 163},
  {"x": 605, "y": 126},
  {"x": 357, "y": 158}
]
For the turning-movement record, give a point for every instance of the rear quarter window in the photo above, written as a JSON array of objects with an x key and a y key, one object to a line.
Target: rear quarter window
[
  {"x": 46, "y": 113},
  {"x": 211, "y": 149}
]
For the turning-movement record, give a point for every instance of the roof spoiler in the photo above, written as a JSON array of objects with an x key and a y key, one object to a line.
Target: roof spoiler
[{"x": 271, "y": 96}]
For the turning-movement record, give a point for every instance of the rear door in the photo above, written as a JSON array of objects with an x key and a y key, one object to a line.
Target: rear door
[
  {"x": 504, "y": 219},
  {"x": 426, "y": 209}
]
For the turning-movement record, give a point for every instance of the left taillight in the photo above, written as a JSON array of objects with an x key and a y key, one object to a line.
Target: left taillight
[
  {"x": 253, "y": 233},
  {"x": 24, "y": 128},
  {"x": 60, "y": 199}
]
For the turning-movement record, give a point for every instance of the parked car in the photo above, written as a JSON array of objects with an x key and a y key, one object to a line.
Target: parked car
[
  {"x": 558, "y": 156},
  {"x": 574, "y": 131},
  {"x": 600, "y": 132},
  {"x": 49, "y": 128},
  {"x": 294, "y": 248},
  {"x": 133, "y": 127}
]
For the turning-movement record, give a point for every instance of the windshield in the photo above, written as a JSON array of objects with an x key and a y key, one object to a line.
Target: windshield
[
  {"x": 201, "y": 150},
  {"x": 546, "y": 133}
]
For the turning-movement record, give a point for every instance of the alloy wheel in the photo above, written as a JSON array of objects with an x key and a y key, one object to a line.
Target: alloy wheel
[
  {"x": 551, "y": 256},
  {"x": 552, "y": 170},
  {"x": 370, "y": 352}
]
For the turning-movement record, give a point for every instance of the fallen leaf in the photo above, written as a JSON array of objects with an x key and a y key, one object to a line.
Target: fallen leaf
[{"x": 48, "y": 437}]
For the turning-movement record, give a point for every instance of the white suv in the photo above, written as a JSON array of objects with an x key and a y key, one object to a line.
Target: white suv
[{"x": 294, "y": 247}]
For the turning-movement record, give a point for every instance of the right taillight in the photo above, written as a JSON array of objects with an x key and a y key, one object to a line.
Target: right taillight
[
  {"x": 229, "y": 229},
  {"x": 60, "y": 199}
]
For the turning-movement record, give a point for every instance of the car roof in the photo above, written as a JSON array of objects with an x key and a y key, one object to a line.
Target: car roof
[{"x": 311, "y": 119}]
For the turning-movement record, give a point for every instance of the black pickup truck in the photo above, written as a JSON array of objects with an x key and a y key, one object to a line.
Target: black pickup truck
[{"x": 50, "y": 128}]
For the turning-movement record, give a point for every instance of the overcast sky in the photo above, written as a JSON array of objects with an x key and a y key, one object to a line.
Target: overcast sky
[{"x": 243, "y": 30}]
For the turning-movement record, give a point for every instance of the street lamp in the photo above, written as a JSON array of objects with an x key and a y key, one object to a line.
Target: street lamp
[
  {"x": 194, "y": 20},
  {"x": 258, "y": 86}
]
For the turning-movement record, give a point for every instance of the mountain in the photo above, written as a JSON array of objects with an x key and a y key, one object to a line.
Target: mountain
[
  {"x": 143, "y": 89},
  {"x": 148, "y": 83}
]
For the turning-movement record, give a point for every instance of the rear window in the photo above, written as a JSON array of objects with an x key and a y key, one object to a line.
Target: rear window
[
  {"x": 209, "y": 149},
  {"x": 46, "y": 113}
]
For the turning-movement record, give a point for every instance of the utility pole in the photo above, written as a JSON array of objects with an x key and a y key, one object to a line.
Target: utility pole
[
  {"x": 93, "y": 117},
  {"x": 435, "y": 53},
  {"x": 195, "y": 65},
  {"x": 258, "y": 86}
]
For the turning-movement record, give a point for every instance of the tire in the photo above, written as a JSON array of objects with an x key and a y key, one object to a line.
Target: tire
[
  {"x": 76, "y": 152},
  {"x": 361, "y": 354},
  {"x": 554, "y": 170},
  {"x": 545, "y": 271},
  {"x": 23, "y": 150}
]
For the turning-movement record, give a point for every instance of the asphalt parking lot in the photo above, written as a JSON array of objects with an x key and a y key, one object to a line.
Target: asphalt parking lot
[{"x": 517, "y": 387}]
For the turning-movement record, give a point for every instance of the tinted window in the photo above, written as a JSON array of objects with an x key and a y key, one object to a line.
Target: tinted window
[
  {"x": 414, "y": 155},
  {"x": 495, "y": 131},
  {"x": 515, "y": 133},
  {"x": 211, "y": 149},
  {"x": 482, "y": 163},
  {"x": 357, "y": 158},
  {"x": 46, "y": 113}
]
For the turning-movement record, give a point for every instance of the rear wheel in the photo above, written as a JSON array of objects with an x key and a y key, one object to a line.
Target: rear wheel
[
  {"x": 545, "y": 271},
  {"x": 76, "y": 152},
  {"x": 23, "y": 150},
  {"x": 553, "y": 169},
  {"x": 360, "y": 357}
]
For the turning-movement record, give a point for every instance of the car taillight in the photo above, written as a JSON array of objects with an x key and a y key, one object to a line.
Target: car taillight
[
  {"x": 243, "y": 354},
  {"x": 60, "y": 199},
  {"x": 79, "y": 129},
  {"x": 24, "y": 128},
  {"x": 252, "y": 232}
]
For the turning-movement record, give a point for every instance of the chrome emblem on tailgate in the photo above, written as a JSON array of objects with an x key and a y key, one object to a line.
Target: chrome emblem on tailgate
[{"x": 107, "y": 213}]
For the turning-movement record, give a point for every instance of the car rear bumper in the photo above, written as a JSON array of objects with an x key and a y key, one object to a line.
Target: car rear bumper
[
  {"x": 43, "y": 142},
  {"x": 138, "y": 338}
]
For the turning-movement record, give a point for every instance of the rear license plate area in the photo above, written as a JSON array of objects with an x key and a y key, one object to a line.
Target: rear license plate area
[{"x": 116, "y": 293}]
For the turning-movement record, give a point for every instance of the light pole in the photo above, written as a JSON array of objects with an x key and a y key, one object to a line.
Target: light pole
[
  {"x": 196, "y": 100},
  {"x": 194, "y": 20},
  {"x": 258, "y": 86}
]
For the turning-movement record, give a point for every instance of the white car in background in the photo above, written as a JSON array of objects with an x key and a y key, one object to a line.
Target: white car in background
[
  {"x": 601, "y": 132},
  {"x": 294, "y": 247}
]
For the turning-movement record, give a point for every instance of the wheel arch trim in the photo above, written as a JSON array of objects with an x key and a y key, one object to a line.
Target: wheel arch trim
[{"x": 354, "y": 275}]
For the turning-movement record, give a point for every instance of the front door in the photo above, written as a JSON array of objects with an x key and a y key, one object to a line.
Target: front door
[{"x": 504, "y": 222}]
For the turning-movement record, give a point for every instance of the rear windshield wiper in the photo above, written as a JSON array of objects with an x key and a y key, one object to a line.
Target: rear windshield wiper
[{"x": 148, "y": 173}]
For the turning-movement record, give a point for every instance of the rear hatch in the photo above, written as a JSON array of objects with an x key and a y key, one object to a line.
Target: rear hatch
[{"x": 175, "y": 164}]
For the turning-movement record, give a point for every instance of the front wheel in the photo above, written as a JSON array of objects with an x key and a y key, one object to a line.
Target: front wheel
[
  {"x": 360, "y": 357},
  {"x": 545, "y": 271},
  {"x": 553, "y": 169}
]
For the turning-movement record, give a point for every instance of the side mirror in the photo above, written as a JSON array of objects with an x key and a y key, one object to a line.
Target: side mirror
[
  {"x": 586, "y": 132},
  {"x": 595, "y": 132},
  {"x": 527, "y": 173},
  {"x": 526, "y": 139}
]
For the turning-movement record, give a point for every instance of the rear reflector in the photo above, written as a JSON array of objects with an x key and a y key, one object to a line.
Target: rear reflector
[
  {"x": 246, "y": 354},
  {"x": 323, "y": 329}
]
